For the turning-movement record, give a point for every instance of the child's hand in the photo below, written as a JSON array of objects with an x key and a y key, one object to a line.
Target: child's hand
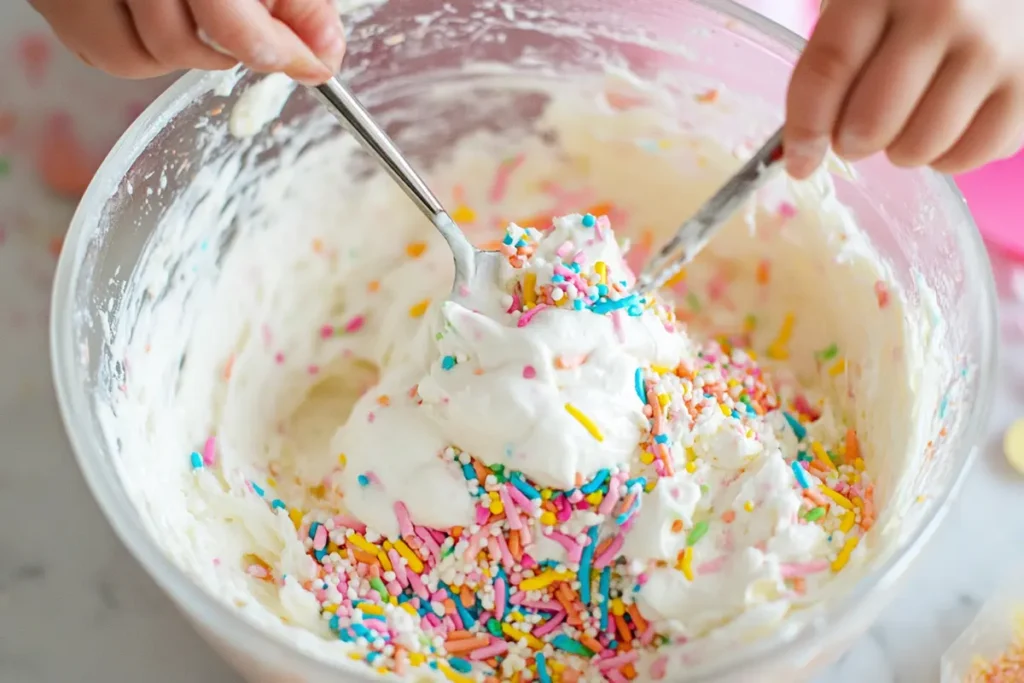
[
  {"x": 144, "y": 38},
  {"x": 930, "y": 82}
]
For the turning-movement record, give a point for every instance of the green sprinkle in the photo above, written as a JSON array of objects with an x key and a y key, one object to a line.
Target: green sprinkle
[
  {"x": 494, "y": 627},
  {"x": 751, "y": 321},
  {"x": 567, "y": 644},
  {"x": 802, "y": 456},
  {"x": 693, "y": 302},
  {"x": 814, "y": 514},
  {"x": 829, "y": 353},
  {"x": 5, "y": 167},
  {"x": 704, "y": 489},
  {"x": 697, "y": 533},
  {"x": 379, "y": 586}
]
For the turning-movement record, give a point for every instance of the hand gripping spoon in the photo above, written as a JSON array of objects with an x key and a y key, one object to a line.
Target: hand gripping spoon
[
  {"x": 470, "y": 262},
  {"x": 697, "y": 230}
]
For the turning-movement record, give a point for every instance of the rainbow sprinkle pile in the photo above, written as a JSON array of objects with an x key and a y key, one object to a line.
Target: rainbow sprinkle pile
[{"x": 475, "y": 604}]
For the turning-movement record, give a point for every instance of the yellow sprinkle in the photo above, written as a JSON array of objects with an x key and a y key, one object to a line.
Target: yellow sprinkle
[
  {"x": 543, "y": 581},
  {"x": 664, "y": 399},
  {"x": 517, "y": 635},
  {"x": 647, "y": 457},
  {"x": 686, "y": 563},
  {"x": 516, "y": 616},
  {"x": 858, "y": 464},
  {"x": 838, "y": 368},
  {"x": 691, "y": 467},
  {"x": 546, "y": 494},
  {"x": 415, "y": 249},
  {"x": 858, "y": 503},
  {"x": 661, "y": 369},
  {"x": 530, "y": 290},
  {"x": 416, "y": 658},
  {"x": 602, "y": 272},
  {"x": 417, "y": 310},
  {"x": 595, "y": 498},
  {"x": 295, "y": 515},
  {"x": 342, "y": 459},
  {"x": 617, "y": 607},
  {"x": 547, "y": 518},
  {"x": 330, "y": 609},
  {"x": 777, "y": 349},
  {"x": 409, "y": 609},
  {"x": 385, "y": 561},
  {"x": 819, "y": 451},
  {"x": 725, "y": 411},
  {"x": 453, "y": 675},
  {"x": 837, "y": 497},
  {"x": 749, "y": 506},
  {"x": 676, "y": 279},
  {"x": 1013, "y": 445},
  {"x": 587, "y": 423},
  {"x": 849, "y": 519},
  {"x": 844, "y": 555},
  {"x": 463, "y": 214},
  {"x": 368, "y": 608},
  {"x": 272, "y": 482},
  {"x": 358, "y": 541},
  {"x": 651, "y": 485}
]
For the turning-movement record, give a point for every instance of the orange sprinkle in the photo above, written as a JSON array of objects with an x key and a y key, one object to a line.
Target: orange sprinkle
[
  {"x": 490, "y": 245},
  {"x": 728, "y": 516},
  {"x": 514, "y": 545},
  {"x": 229, "y": 366},
  {"x": 601, "y": 209},
  {"x": 373, "y": 286},
  {"x": 456, "y": 532},
  {"x": 852, "y": 446},
  {"x": 570, "y": 362},
  {"x": 708, "y": 96},
  {"x": 590, "y": 643},
  {"x": 384, "y": 400},
  {"x": 800, "y": 585},
  {"x": 417, "y": 310},
  {"x": 677, "y": 526},
  {"x": 364, "y": 557},
  {"x": 318, "y": 245},
  {"x": 638, "y": 619},
  {"x": 415, "y": 249},
  {"x": 629, "y": 671},
  {"x": 449, "y": 606},
  {"x": 623, "y": 628},
  {"x": 468, "y": 599},
  {"x": 456, "y": 646},
  {"x": 763, "y": 272}
]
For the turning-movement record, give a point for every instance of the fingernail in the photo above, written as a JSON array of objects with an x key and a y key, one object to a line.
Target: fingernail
[
  {"x": 803, "y": 157},
  {"x": 852, "y": 147},
  {"x": 332, "y": 47},
  {"x": 306, "y": 68}
]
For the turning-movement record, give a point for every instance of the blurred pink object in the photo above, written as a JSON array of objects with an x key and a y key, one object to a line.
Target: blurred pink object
[{"x": 995, "y": 195}]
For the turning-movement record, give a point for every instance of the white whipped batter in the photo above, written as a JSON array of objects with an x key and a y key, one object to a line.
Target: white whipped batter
[{"x": 326, "y": 311}]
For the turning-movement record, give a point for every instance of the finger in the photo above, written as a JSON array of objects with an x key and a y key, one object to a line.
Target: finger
[
  {"x": 169, "y": 33},
  {"x": 890, "y": 87},
  {"x": 317, "y": 24},
  {"x": 104, "y": 36},
  {"x": 246, "y": 30},
  {"x": 996, "y": 128},
  {"x": 947, "y": 108},
  {"x": 843, "y": 40}
]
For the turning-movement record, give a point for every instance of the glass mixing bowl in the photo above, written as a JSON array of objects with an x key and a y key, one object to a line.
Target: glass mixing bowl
[{"x": 917, "y": 220}]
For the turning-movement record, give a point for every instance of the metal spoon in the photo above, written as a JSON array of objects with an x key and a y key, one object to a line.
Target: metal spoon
[
  {"x": 697, "y": 230},
  {"x": 470, "y": 262}
]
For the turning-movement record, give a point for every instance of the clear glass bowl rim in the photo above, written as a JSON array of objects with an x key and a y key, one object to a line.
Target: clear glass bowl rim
[{"x": 238, "y": 632}]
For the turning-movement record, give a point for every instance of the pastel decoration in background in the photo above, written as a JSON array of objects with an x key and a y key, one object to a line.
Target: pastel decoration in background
[{"x": 65, "y": 165}]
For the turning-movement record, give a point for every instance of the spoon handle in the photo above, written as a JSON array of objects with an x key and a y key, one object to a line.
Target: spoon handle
[
  {"x": 354, "y": 117},
  {"x": 698, "y": 229}
]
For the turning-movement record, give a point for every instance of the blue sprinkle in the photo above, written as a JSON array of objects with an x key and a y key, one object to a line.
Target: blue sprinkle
[
  {"x": 801, "y": 476},
  {"x": 334, "y": 623},
  {"x": 638, "y": 481},
  {"x": 521, "y": 243},
  {"x": 574, "y": 267},
  {"x": 661, "y": 438},
  {"x": 363, "y": 480},
  {"x": 312, "y": 529},
  {"x": 461, "y": 665},
  {"x": 361, "y": 630},
  {"x": 197, "y": 461},
  {"x": 798, "y": 428},
  {"x": 595, "y": 483},
  {"x": 602, "y": 290},
  {"x": 508, "y": 240},
  {"x": 277, "y": 504},
  {"x": 345, "y": 636},
  {"x": 635, "y": 311},
  {"x": 524, "y": 487},
  {"x": 558, "y": 278},
  {"x": 585, "y": 560},
  {"x": 577, "y": 305},
  {"x": 942, "y": 407},
  {"x": 256, "y": 487},
  {"x": 613, "y": 645},
  {"x": 736, "y": 414},
  {"x": 638, "y": 384},
  {"x": 605, "y": 586},
  {"x": 625, "y": 516},
  {"x": 433, "y": 665},
  {"x": 467, "y": 619},
  {"x": 371, "y": 657},
  {"x": 448, "y": 362},
  {"x": 542, "y": 668},
  {"x": 589, "y": 221}
]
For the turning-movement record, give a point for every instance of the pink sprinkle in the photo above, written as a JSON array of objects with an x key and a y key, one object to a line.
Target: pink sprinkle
[
  {"x": 507, "y": 560},
  {"x": 279, "y": 358},
  {"x": 615, "y": 677},
  {"x": 349, "y": 523},
  {"x": 482, "y": 515},
  {"x": 609, "y": 554},
  {"x": 432, "y": 621},
  {"x": 210, "y": 452},
  {"x": 355, "y": 324},
  {"x": 398, "y": 567},
  {"x": 404, "y": 521},
  {"x": 792, "y": 570},
  {"x": 516, "y": 303},
  {"x": 320, "y": 538},
  {"x": 618, "y": 660},
  {"x": 257, "y": 571},
  {"x": 549, "y": 626},
  {"x": 564, "y": 250},
  {"x": 787, "y": 210},
  {"x": 524, "y": 503},
  {"x": 505, "y": 170},
  {"x": 528, "y": 561},
  {"x": 571, "y": 546},
  {"x": 429, "y": 541},
  {"x": 658, "y": 668},
  {"x": 529, "y": 372},
  {"x": 500, "y": 598},
  {"x": 417, "y": 585},
  {"x": 527, "y": 316},
  {"x": 511, "y": 513},
  {"x": 711, "y": 566},
  {"x": 620, "y": 334},
  {"x": 602, "y": 227},
  {"x": 498, "y": 647},
  {"x": 526, "y": 536},
  {"x": 882, "y": 294},
  {"x": 326, "y": 331},
  {"x": 313, "y": 369}
]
